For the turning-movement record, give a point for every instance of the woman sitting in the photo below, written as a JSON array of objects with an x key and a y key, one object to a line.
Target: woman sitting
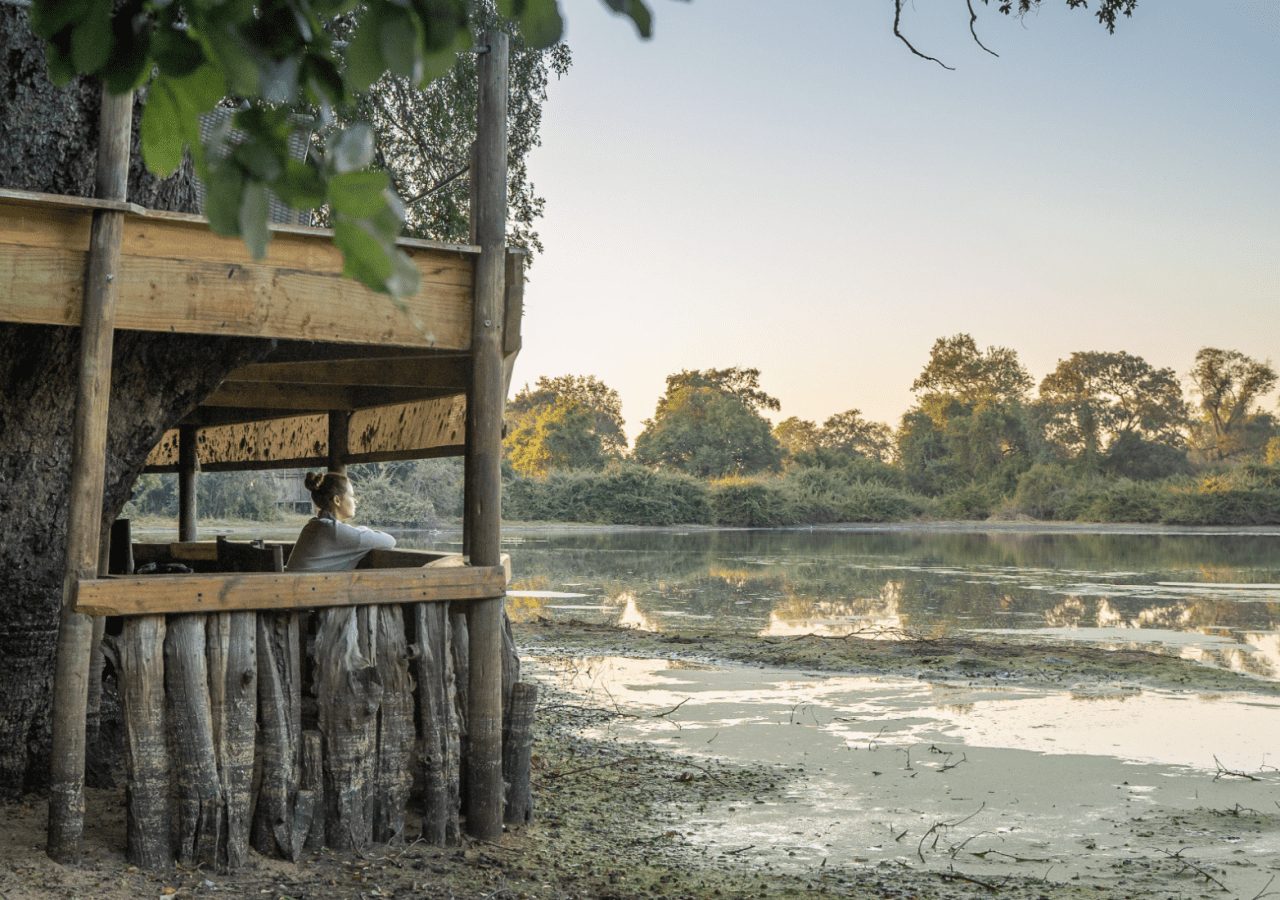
[{"x": 327, "y": 543}]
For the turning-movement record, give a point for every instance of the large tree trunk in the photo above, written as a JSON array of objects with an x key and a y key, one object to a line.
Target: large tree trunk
[{"x": 48, "y": 143}]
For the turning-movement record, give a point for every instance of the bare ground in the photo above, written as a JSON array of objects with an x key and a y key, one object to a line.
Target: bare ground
[{"x": 609, "y": 813}]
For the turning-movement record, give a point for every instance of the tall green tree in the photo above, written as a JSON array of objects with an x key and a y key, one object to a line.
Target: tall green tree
[
  {"x": 958, "y": 371},
  {"x": 796, "y": 436},
  {"x": 970, "y": 420},
  {"x": 566, "y": 422},
  {"x": 1229, "y": 385},
  {"x": 1093, "y": 398},
  {"x": 708, "y": 424},
  {"x": 848, "y": 432}
]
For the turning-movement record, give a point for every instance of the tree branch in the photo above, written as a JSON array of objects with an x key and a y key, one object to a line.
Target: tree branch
[
  {"x": 973, "y": 18},
  {"x": 897, "y": 31}
]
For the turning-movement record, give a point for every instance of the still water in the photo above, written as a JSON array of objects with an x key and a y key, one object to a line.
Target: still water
[{"x": 1209, "y": 596}]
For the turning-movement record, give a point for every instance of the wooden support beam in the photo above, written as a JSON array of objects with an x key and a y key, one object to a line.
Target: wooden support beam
[
  {"x": 97, "y": 284},
  {"x": 155, "y": 594},
  {"x": 430, "y": 371},
  {"x": 188, "y": 467},
  {"x": 513, "y": 301},
  {"x": 301, "y": 397},
  {"x": 484, "y": 801},
  {"x": 417, "y": 430},
  {"x": 339, "y": 423}
]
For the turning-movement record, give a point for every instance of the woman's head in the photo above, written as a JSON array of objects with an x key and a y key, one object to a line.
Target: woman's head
[{"x": 331, "y": 492}]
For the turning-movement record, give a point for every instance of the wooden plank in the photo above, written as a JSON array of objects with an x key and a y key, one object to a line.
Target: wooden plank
[
  {"x": 152, "y": 594},
  {"x": 42, "y": 286},
  {"x": 310, "y": 398},
  {"x": 179, "y": 277},
  {"x": 416, "y": 430},
  {"x": 35, "y": 200},
  {"x": 426, "y": 371},
  {"x": 413, "y": 426},
  {"x": 56, "y": 222},
  {"x": 513, "y": 302},
  {"x": 88, "y": 469}
]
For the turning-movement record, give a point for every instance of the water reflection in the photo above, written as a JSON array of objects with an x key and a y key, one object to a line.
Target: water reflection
[{"x": 1214, "y": 597}]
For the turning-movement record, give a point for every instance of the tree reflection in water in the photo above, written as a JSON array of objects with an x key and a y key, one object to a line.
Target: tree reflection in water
[{"x": 1208, "y": 596}]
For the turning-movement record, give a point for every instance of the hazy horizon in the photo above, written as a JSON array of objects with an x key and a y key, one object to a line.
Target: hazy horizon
[{"x": 806, "y": 197}]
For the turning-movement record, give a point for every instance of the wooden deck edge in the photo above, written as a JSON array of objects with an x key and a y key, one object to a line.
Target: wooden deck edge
[{"x": 161, "y": 594}]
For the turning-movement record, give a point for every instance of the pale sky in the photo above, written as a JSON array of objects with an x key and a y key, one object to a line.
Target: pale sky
[{"x": 783, "y": 185}]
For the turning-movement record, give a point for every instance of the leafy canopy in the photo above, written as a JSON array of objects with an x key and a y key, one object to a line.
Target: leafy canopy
[
  {"x": 566, "y": 422},
  {"x": 1092, "y": 398},
  {"x": 1229, "y": 384},
  {"x": 283, "y": 62},
  {"x": 708, "y": 424}
]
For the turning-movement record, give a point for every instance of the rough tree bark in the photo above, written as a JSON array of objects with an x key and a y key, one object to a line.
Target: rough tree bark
[{"x": 47, "y": 143}]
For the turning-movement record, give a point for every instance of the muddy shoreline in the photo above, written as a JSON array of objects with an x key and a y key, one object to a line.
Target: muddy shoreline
[{"x": 611, "y": 815}]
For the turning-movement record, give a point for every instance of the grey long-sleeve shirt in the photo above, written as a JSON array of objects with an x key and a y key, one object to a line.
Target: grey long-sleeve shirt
[{"x": 327, "y": 545}]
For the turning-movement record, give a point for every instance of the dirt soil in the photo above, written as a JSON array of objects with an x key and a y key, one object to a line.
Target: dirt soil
[{"x": 608, "y": 813}]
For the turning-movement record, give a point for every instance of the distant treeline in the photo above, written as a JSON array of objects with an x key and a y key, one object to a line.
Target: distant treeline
[{"x": 1106, "y": 438}]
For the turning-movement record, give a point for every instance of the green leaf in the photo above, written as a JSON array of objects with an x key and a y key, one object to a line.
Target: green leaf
[
  {"x": 352, "y": 150},
  {"x": 438, "y": 62},
  {"x": 253, "y": 218},
  {"x": 175, "y": 53},
  {"x": 223, "y": 190},
  {"x": 637, "y": 12},
  {"x": 199, "y": 92},
  {"x": 323, "y": 81},
  {"x": 162, "y": 137},
  {"x": 48, "y": 17},
  {"x": 358, "y": 194},
  {"x": 61, "y": 69},
  {"x": 400, "y": 41},
  {"x": 234, "y": 57},
  {"x": 91, "y": 39},
  {"x": 366, "y": 256},
  {"x": 301, "y": 186},
  {"x": 259, "y": 159},
  {"x": 539, "y": 20},
  {"x": 365, "y": 64},
  {"x": 279, "y": 79}
]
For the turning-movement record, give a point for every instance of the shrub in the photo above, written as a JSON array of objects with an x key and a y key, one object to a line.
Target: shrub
[
  {"x": 973, "y": 501},
  {"x": 621, "y": 495},
  {"x": 747, "y": 502},
  {"x": 1124, "y": 500},
  {"x": 1045, "y": 491}
]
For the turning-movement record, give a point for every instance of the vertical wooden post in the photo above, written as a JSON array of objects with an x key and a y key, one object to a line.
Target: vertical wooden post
[
  {"x": 484, "y": 444},
  {"x": 339, "y": 421},
  {"x": 88, "y": 464},
  {"x": 188, "y": 466}
]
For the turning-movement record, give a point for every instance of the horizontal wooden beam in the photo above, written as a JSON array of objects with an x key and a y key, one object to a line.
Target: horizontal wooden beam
[
  {"x": 159, "y": 594},
  {"x": 313, "y": 397},
  {"x": 175, "y": 275},
  {"x": 448, "y": 372},
  {"x": 417, "y": 430}
]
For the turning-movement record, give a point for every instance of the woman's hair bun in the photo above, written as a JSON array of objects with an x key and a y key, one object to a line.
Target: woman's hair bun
[{"x": 313, "y": 480}]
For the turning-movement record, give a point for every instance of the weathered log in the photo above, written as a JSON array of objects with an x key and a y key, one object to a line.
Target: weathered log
[
  {"x": 434, "y": 707},
  {"x": 313, "y": 784},
  {"x": 195, "y": 767},
  {"x": 517, "y": 752},
  {"x": 348, "y": 696},
  {"x": 396, "y": 733},
  {"x": 233, "y": 703},
  {"x": 279, "y": 733},
  {"x": 459, "y": 657},
  {"x": 139, "y": 654},
  {"x": 510, "y": 671}
]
